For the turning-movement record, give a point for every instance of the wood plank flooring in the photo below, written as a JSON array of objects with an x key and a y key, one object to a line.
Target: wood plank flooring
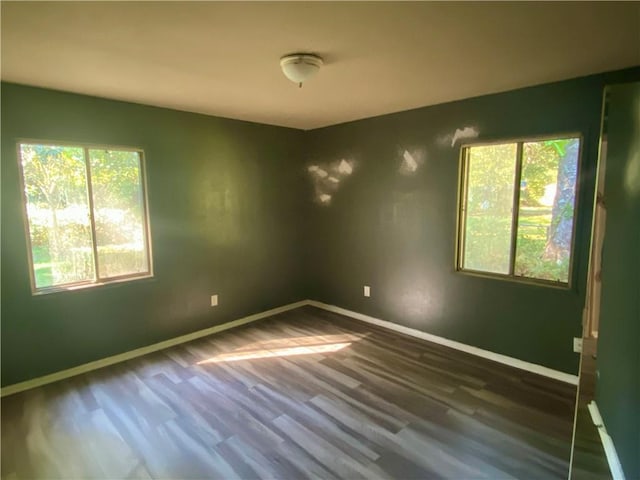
[{"x": 304, "y": 394}]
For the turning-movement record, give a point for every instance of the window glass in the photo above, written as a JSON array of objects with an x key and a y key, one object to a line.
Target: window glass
[
  {"x": 546, "y": 210},
  {"x": 58, "y": 214},
  {"x": 86, "y": 214},
  {"x": 118, "y": 206},
  {"x": 530, "y": 185},
  {"x": 490, "y": 181}
]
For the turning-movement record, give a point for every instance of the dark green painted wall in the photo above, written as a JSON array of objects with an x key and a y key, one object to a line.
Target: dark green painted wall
[
  {"x": 397, "y": 232},
  {"x": 232, "y": 213},
  {"x": 225, "y": 200},
  {"x": 618, "y": 386}
]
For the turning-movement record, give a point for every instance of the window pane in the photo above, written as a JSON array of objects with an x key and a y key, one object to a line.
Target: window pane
[
  {"x": 546, "y": 216},
  {"x": 118, "y": 204},
  {"x": 490, "y": 190},
  {"x": 58, "y": 213}
]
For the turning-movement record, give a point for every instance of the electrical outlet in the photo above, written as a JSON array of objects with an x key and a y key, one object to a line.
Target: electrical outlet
[
  {"x": 367, "y": 291},
  {"x": 577, "y": 345},
  {"x": 214, "y": 300}
]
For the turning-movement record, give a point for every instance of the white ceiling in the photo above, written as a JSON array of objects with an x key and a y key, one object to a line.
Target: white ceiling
[{"x": 221, "y": 58}]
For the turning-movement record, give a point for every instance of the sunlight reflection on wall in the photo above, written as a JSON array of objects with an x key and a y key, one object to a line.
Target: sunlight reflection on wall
[
  {"x": 413, "y": 296},
  {"x": 216, "y": 204},
  {"x": 327, "y": 178},
  {"x": 632, "y": 170},
  {"x": 632, "y": 174},
  {"x": 460, "y": 134},
  {"x": 411, "y": 160}
]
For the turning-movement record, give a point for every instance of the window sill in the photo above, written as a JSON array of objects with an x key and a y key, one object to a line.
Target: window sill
[
  {"x": 522, "y": 280},
  {"x": 91, "y": 285}
]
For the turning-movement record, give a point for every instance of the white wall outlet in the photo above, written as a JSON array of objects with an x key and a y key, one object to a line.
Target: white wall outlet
[
  {"x": 214, "y": 300},
  {"x": 577, "y": 345},
  {"x": 367, "y": 291}
]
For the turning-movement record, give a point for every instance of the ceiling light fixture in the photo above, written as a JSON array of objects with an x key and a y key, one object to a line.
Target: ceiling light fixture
[{"x": 299, "y": 67}]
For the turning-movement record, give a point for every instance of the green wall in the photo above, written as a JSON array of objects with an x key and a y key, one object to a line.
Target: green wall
[
  {"x": 232, "y": 212},
  {"x": 618, "y": 385},
  {"x": 397, "y": 232},
  {"x": 225, "y": 200}
]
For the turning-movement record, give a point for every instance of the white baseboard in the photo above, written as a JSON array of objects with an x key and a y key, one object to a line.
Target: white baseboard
[
  {"x": 103, "y": 362},
  {"x": 607, "y": 442},
  {"x": 496, "y": 357}
]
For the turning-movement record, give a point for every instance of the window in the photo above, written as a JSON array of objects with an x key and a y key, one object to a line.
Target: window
[
  {"x": 517, "y": 209},
  {"x": 86, "y": 215}
]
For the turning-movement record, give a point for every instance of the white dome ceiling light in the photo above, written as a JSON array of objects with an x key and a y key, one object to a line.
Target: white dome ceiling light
[{"x": 299, "y": 67}]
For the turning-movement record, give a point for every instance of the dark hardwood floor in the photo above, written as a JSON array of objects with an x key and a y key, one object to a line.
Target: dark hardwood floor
[{"x": 303, "y": 394}]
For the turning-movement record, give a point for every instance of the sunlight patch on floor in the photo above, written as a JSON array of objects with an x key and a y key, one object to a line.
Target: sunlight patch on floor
[{"x": 286, "y": 347}]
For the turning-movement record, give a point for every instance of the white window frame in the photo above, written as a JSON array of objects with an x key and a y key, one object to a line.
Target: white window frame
[
  {"x": 461, "y": 211},
  {"x": 146, "y": 223}
]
